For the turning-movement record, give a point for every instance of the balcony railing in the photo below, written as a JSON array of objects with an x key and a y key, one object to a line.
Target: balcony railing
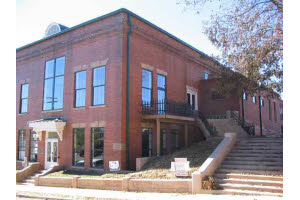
[{"x": 167, "y": 107}]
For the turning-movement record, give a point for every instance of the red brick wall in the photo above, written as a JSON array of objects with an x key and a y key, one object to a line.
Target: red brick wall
[
  {"x": 105, "y": 41},
  {"x": 252, "y": 114},
  {"x": 157, "y": 50},
  {"x": 208, "y": 105}
]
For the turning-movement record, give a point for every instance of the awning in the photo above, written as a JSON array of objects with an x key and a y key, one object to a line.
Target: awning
[{"x": 50, "y": 124}]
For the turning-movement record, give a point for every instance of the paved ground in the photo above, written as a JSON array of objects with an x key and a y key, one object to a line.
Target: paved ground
[{"x": 54, "y": 193}]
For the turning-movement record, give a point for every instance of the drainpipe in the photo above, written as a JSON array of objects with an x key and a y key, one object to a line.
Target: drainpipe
[
  {"x": 260, "y": 120},
  {"x": 243, "y": 110},
  {"x": 127, "y": 89}
]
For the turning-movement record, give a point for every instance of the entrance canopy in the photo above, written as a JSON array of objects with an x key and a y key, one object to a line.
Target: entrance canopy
[{"x": 50, "y": 124}]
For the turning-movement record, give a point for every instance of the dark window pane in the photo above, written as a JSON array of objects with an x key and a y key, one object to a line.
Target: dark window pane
[
  {"x": 146, "y": 78},
  {"x": 78, "y": 152},
  {"x": 49, "y": 69},
  {"x": 98, "y": 95},
  {"x": 161, "y": 81},
  {"x": 24, "y": 89},
  {"x": 48, "y": 94},
  {"x": 33, "y": 146},
  {"x": 60, "y": 66},
  {"x": 146, "y": 95},
  {"x": 24, "y": 104},
  {"x": 58, "y": 92},
  {"x": 188, "y": 96},
  {"x": 99, "y": 76},
  {"x": 22, "y": 144},
  {"x": 97, "y": 149},
  {"x": 193, "y": 102},
  {"x": 80, "y": 98},
  {"x": 80, "y": 80}
]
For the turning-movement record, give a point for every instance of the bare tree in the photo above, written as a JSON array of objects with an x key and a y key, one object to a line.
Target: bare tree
[{"x": 249, "y": 34}]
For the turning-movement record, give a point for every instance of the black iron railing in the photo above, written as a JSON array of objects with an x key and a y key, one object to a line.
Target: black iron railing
[
  {"x": 249, "y": 128},
  {"x": 167, "y": 107},
  {"x": 209, "y": 127}
]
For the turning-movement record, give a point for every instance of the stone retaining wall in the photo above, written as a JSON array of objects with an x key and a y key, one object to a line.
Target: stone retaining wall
[
  {"x": 125, "y": 184},
  {"x": 193, "y": 185},
  {"x": 27, "y": 171}
]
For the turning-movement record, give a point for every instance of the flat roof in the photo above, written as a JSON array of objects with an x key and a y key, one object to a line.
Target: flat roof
[{"x": 115, "y": 13}]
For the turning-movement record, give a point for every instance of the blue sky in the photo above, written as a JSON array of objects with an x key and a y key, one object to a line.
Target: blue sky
[{"x": 33, "y": 17}]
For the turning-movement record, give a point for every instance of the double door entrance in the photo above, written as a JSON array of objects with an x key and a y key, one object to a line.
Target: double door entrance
[{"x": 51, "y": 152}]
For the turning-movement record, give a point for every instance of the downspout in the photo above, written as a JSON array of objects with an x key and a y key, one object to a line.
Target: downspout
[
  {"x": 260, "y": 120},
  {"x": 243, "y": 110},
  {"x": 127, "y": 89}
]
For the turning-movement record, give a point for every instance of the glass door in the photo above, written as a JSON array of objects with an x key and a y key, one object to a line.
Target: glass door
[{"x": 51, "y": 153}]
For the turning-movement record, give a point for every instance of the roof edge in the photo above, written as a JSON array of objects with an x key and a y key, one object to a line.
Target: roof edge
[{"x": 132, "y": 14}]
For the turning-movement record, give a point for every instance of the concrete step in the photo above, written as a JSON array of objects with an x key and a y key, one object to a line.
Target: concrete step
[
  {"x": 267, "y": 159},
  {"x": 29, "y": 181},
  {"x": 248, "y": 192},
  {"x": 254, "y": 155},
  {"x": 259, "y": 188},
  {"x": 27, "y": 184},
  {"x": 243, "y": 151},
  {"x": 225, "y": 175},
  {"x": 250, "y": 182},
  {"x": 257, "y": 163},
  {"x": 273, "y": 148},
  {"x": 251, "y": 167},
  {"x": 250, "y": 172}
]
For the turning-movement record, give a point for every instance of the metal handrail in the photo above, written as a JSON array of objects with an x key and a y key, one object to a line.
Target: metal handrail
[
  {"x": 165, "y": 107},
  {"x": 249, "y": 128},
  {"x": 209, "y": 127}
]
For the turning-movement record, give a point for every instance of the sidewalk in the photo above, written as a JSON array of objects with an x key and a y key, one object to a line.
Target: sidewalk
[{"x": 75, "y": 193}]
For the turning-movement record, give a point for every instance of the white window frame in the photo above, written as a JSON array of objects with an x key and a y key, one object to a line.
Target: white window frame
[{"x": 192, "y": 92}]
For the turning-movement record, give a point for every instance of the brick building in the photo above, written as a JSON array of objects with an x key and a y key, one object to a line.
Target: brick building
[{"x": 115, "y": 88}]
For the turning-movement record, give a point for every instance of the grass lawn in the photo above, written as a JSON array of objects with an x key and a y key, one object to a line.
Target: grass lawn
[{"x": 157, "y": 167}]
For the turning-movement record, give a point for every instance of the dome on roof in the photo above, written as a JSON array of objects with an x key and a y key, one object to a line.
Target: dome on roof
[{"x": 54, "y": 28}]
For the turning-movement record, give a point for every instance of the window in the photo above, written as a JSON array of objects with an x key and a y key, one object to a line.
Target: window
[
  {"x": 78, "y": 147},
  {"x": 24, "y": 98},
  {"x": 275, "y": 112},
  {"x": 161, "y": 93},
  {"x": 281, "y": 113},
  {"x": 80, "y": 88},
  {"x": 192, "y": 99},
  {"x": 147, "y": 142},
  {"x": 98, "y": 86},
  {"x": 205, "y": 75},
  {"x": 254, "y": 99},
  {"x": 262, "y": 102},
  {"x": 270, "y": 110},
  {"x": 33, "y": 146},
  {"x": 146, "y": 86},
  {"x": 22, "y": 145},
  {"x": 54, "y": 84},
  {"x": 245, "y": 96},
  {"x": 97, "y": 149},
  {"x": 217, "y": 96}
]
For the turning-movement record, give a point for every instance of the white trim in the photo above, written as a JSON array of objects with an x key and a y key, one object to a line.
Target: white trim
[
  {"x": 193, "y": 91},
  {"x": 48, "y": 126}
]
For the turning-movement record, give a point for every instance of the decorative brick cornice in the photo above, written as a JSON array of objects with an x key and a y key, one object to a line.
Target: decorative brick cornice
[
  {"x": 183, "y": 52},
  {"x": 59, "y": 43}
]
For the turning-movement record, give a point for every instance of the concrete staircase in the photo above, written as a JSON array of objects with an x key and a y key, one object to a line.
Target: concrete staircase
[
  {"x": 30, "y": 179},
  {"x": 227, "y": 126},
  {"x": 253, "y": 167}
]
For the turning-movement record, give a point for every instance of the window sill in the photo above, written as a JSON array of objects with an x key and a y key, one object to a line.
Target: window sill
[
  {"x": 22, "y": 113},
  {"x": 98, "y": 106},
  {"x": 47, "y": 111},
  {"x": 80, "y": 108}
]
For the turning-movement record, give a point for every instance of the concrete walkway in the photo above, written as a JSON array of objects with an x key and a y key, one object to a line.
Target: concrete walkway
[{"x": 75, "y": 193}]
